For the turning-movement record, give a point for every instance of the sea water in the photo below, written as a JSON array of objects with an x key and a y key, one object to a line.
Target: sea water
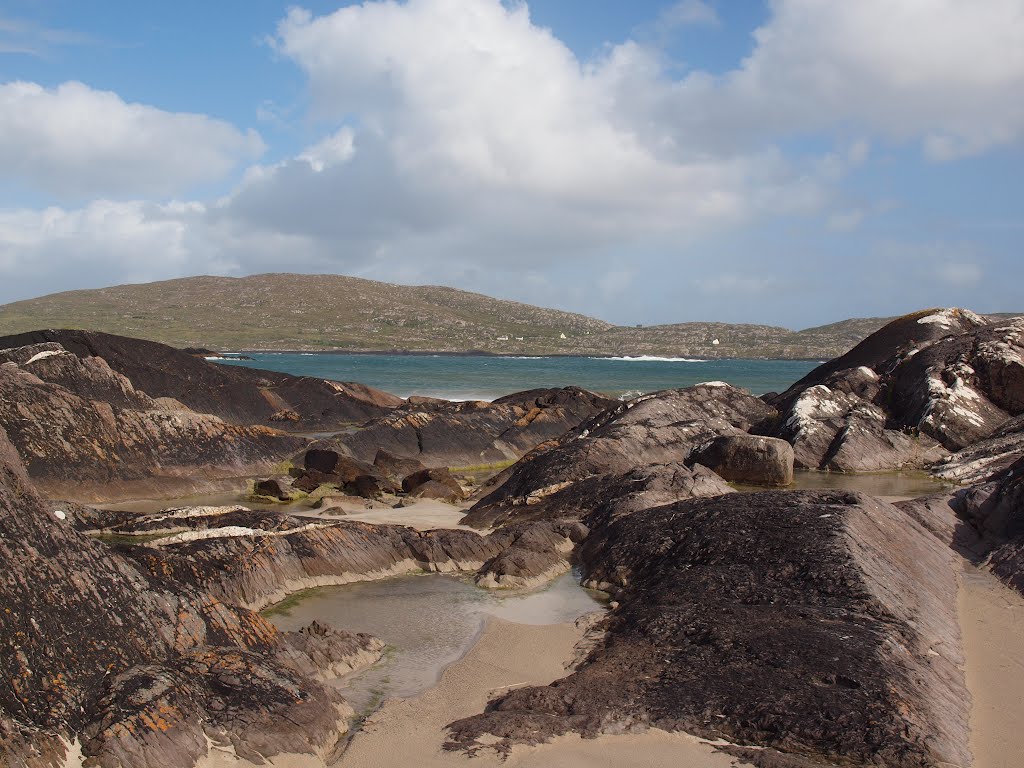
[{"x": 479, "y": 377}]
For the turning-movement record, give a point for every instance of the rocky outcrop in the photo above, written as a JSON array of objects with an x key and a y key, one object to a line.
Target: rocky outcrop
[
  {"x": 975, "y": 463},
  {"x": 82, "y": 428},
  {"x": 463, "y": 434},
  {"x": 602, "y": 495},
  {"x": 141, "y": 669},
  {"x": 236, "y": 394},
  {"x": 748, "y": 459},
  {"x": 923, "y": 386},
  {"x": 994, "y": 511},
  {"x": 663, "y": 428},
  {"x": 255, "y": 564},
  {"x": 818, "y": 625}
]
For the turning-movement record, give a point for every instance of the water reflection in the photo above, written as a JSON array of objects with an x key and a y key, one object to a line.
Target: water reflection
[{"x": 428, "y": 622}]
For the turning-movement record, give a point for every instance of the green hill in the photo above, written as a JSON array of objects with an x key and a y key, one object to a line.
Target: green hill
[{"x": 334, "y": 312}]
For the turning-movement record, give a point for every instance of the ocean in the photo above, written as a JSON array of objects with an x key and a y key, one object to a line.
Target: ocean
[{"x": 455, "y": 377}]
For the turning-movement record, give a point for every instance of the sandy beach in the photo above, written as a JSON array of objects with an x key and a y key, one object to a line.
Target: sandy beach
[
  {"x": 507, "y": 655},
  {"x": 992, "y": 619}
]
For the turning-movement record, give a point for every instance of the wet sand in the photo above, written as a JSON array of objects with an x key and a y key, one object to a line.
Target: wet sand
[
  {"x": 421, "y": 514},
  {"x": 992, "y": 620},
  {"x": 508, "y": 655}
]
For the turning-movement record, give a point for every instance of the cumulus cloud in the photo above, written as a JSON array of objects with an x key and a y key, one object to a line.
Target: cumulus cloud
[
  {"x": 946, "y": 73},
  {"x": 75, "y": 141},
  {"x": 462, "y": 141}
]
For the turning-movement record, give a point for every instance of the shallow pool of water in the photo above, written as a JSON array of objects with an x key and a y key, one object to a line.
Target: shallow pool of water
[
  {"x": 888, "y": 484},
  {"x": 428, "y": 621}
]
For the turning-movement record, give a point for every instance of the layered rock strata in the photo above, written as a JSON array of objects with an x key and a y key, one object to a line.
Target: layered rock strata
[
  {"x": 467, "y": 434},
  {"x": 236, "y": 394},
  {"x": 83, "y": 428},
  {"x": 140, "y": 669}
]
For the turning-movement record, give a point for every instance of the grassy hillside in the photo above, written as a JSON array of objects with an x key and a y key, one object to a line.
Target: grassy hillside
[{"x": 333, "y": 312}]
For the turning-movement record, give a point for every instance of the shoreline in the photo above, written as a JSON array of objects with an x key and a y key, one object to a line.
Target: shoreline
[{"x": 511, "y": 355}]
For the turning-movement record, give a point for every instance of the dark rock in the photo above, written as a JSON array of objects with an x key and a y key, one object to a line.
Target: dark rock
[
  {"x": 461, "y": 434},
  {"x": 601, "y": 496},
  {"x": 433, "y": 484},
  {"x": 748, "y": 459},
  {"x": 370, "y": 487},
  {"x": 994, "y": 510},
  {"x": 307, "y": 482},
  {"x": 923, "y": 386},
  {"x": 271, "y": 489},
  {"x": 821, "y": 625},
  {"x": 395, "y": 467},
  {"x": 338, "y": 467},
  {"x": 236, "y": 394},
  {"x": 142, "y": 667},
  {"x": 984, "y": 458},
  {"x": 663, "y": 428},
  {"x": 84, "y": 429}
]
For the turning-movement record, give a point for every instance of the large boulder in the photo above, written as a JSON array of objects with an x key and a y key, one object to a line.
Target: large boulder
[
  {"x": 434, "y": 484},
  {"x": 748, "y": 459}
]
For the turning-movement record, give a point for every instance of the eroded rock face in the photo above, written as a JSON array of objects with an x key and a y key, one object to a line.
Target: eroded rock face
[
  {"x": 663, "y": 428},
  {"x": 236, "y": 394},
  {"x": 819, "y": 624},
  {"x": 464, "y": 434},
  {"x": 142, "y": 668},
  {"x": 82, "y": 427},
  {"x": 922, "y": 387},
  {"x": 995, "y": 512}
]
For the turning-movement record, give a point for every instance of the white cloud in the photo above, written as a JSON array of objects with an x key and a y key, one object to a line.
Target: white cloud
[
  {"x": 75, "y": 141},
  {"x": 464, "y": 144},
  {"x": 948, "y": 73}
]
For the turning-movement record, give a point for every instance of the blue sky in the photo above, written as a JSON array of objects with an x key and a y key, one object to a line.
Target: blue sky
[{"x": 792, "y": 162}]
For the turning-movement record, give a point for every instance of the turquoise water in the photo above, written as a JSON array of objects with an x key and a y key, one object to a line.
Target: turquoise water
[{"x": 486, "y": 378}]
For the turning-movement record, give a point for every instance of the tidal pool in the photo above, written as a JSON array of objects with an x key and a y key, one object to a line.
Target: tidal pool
[{"x": 428, "y": 621}]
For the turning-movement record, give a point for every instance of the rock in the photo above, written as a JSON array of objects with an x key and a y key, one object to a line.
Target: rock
[
  {"x": 271, "y": 489},
  {"x": 83, "y": 428},
  {"x": 663, "y": 428},
  {"x": 922, "y": 386},
  {"x": 994, "y": 511},
  {"x": 351, "y": 475},
  {"x": 139, "y": 666},
  {"x": 236, "y": 394},
  {"x": 434, "y": 484},
  {"x": 987, "y": 457},
  {"x": 537, "y": 553},
  {"x": 606, "y": 495},
  {"x": 819, "y": 625},
  {"x": 748, "y": 459},
  {"x": 462, "y": 434},
  {"x": 395, "y": 467}
]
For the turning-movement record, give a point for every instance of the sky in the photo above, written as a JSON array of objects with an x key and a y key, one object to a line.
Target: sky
[{"x": 791, "y": 162}]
